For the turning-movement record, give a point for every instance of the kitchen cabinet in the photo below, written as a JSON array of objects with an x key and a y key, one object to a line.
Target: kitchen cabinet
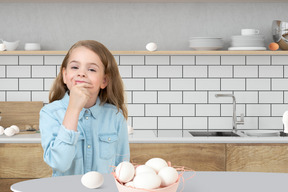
[{"x": 25, "y": 161}]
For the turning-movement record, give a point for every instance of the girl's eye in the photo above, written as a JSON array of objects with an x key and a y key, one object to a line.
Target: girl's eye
[
  {"x": 93, "y": 70},
  {"x": 74, "y": 67}
]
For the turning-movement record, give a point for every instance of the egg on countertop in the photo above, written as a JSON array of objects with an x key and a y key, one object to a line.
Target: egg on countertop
[
  {"x": 9, "y": 131},
  {"x": 16, "y": 128},
  {"x": 156, "y": 164},
  {"x": 147, "y": 181},
  {"x": 168, "y": 176},
  {"x": 1, "y": 130},
  {"x": 92, "y": 179},
  {"x": 125, "y": 171}
]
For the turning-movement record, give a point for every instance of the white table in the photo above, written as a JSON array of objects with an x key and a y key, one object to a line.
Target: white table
[{"x": 201, "y": 182}]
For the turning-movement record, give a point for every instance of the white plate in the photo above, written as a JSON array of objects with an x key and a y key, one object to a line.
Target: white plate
[
  {"x": 247, "y": 48},
  {"x": 262, "y": 133},
  {"x": 206, "y": 48}
]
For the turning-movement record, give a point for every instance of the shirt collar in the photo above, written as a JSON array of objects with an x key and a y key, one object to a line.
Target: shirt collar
[{"x": 94, "y": 109}]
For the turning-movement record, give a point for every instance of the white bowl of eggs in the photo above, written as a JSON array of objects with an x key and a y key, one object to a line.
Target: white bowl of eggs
[{"x": 155, "y": 176}]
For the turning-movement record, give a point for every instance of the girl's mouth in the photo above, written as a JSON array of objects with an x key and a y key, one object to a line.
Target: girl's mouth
[{"x": 80, "y": 82}]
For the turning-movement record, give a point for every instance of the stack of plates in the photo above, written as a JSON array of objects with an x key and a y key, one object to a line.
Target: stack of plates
[
  {"x": 247, "y": 42},
  {"x": 206, "y": 43}
]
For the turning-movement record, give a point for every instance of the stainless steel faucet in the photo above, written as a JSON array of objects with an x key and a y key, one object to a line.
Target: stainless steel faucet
[{"x": 235, "y": 122}]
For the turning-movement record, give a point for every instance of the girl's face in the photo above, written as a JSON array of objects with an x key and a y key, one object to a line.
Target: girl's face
[{"x": 85, "y": 66}]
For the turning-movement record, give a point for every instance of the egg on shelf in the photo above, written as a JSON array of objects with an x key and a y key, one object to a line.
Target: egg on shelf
[
  {"x": 151, "y": 46},
  {"x": 92, "y": 180}
]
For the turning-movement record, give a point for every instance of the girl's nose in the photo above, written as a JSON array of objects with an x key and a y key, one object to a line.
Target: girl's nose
[{"x": 81, "y": 73}]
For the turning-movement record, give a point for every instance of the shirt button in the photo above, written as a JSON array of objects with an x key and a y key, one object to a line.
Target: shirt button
[
  {"x": 109, "y": 139},
  {"x": 86, "y": 111},
  {"x": 87, "y": 118},
  {"x": 88, "y": 146}
]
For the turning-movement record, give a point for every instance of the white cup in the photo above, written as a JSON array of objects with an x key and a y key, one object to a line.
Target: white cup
[{"x": 249, "y": 31}]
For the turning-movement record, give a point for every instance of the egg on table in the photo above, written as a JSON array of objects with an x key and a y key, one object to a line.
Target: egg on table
[
  {"x": 125, "y": 171},
  {"x": 156, "y": 164},
  {"x": 92, "y": 180}
]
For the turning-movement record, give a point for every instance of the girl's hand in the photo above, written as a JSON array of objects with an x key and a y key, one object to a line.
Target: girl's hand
[{"x": 79, "y": 95}]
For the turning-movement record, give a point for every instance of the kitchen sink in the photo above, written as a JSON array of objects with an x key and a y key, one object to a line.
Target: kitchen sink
[{"x": 214, "y": 134}]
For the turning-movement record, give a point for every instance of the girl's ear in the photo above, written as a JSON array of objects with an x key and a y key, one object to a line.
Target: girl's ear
[
  {"x": 104, "y": 82},
  {"x": 64, "y": 73}
]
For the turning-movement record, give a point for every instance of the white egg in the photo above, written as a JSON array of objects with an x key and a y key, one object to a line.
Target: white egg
[
  {"x": 168, "y": 176},
  {"x": 2, "y": 47},
  {"x": 125, "y": 171},
  {"x": 130, "y": 184},
  {"x": 16, "y": 128},
  {"x": 144, "y": 169},
  {"x": 9, "y": 131},
  {"x": 92, "y": 179},
  {"x": 156, "y": 164},
  {"x": 147, "y": 181},
  {"x": 1, "y": 130},
  {"x": 151, "y": 46}
]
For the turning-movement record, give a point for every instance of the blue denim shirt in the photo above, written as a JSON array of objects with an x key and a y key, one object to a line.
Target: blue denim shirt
[{"x": 101, "y": 140}]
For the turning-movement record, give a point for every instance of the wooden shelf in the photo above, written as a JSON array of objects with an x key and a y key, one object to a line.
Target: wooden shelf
[
  {"x": 143, "y": 1},
  {"x": 223, "y": 52}
]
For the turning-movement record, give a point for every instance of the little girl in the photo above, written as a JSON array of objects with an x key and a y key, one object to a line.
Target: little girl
[{"x": 83, "y": 128}]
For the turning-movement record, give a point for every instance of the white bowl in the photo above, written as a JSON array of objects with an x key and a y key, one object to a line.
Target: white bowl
[
  {"x": 11, "y": 46},
  {"x": 32, "y": 47}
]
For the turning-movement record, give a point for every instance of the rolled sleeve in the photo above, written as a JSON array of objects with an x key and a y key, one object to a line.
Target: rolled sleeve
[{"x": 68, "y": 136}]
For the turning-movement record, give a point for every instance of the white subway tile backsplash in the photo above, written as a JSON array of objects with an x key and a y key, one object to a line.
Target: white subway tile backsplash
[
  {"x": 170, "y": 123},
  {"x": 258, "y": 84},
  {"x": 271, "y": 71},
  {"x": 30, "y": 84},
  {"x": 182, "y": 60},
  {"x": 220, "y": 71},
  {"x": 48, "y": 84},
  {"x": 213, "y": 99},
  {"x": 135, "y": 109},
  {"x": 285, "y": 97},
  {"x": 194, "y": 97},
  {"x": 270, "y": 97},
  {"x": 144, "y": 97},
  {"x": 40, "y": 96},
  {"x": 245, "y": 71},
  {"x": 280, "y": 60},
  {"x": 227, "y": 110},
  {"x": 207, "y": 60},
  {"x": 53, "y": 59},
  {"x": 195, "y": 71},
  {"x": 157, "y": 60},
  {"x": 285, "y": 71},
  {"x": 207, "y": 84},
  {"x": 8, "y": 60},
  {"x": 157, "y": 110},
  {"x": 233, "y": 60},
  {"x": 279, "y": 84},
  {"x": 220, "y": 123},
  {"x": 19, "y": 96},
  {"x": 133, "y": 84},
  {"x": 145, "y": 71},
  {"x": 157, "y": 84},
  {"x": 182, "y": 84},
  {"x": 270, "y": 123},
  {"x": 170, "y": 71},
  {"x": 128, "y": 95},
  {"x": 2, "y": 96},
  {"x": 18, "y": 71},
  {"x": 249, "y": 123},
  {"x": 232, "y": 84},
  {"x": 169, "y": 97},
  {"x": 2, "y": 71},
  {"x": 30, "y": 60},
  {"x": 131, "y": 60},
  {"x": 182, "y": 110},
  {"x": 44, "y": 71},
  {"x": 279, "y": 109},
  {"x": 145, "y": 123},
  {"x": 207, "y": 110},
  {"x": 125, "y": 71},
  {"x": 195, "y": 123},
  {"x": 8, "y": 84},
  {"x": 246, "y": 97},
  {"x": 258, "y": 110},
  {"x": 117, "y": 59},
  {"x": 258, "y": 60}
]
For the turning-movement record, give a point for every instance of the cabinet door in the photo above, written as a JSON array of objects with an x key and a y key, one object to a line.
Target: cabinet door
[
  {"x": 257, "y": 157},
  {"x": 199, "y": 157},
  {"x": 23, "y": 161}
]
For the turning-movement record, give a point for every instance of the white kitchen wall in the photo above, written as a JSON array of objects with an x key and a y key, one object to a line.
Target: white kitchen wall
[
  {"x": 173, "y": 92},
  {"x": 130, "y": 26}
]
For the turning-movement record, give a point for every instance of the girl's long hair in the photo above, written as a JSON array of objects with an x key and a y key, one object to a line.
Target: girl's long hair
[{"x": 114, "y": 91}]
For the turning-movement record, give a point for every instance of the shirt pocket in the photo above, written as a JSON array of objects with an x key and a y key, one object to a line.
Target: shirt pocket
[
  {"x": 79, "y": 147},
  {"x": 108, "y": 145}
]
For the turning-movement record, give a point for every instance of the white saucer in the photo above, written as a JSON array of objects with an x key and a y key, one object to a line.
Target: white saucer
[{"x": 247, "y": 48}]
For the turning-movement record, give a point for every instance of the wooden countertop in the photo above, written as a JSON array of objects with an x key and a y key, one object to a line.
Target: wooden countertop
[{"x": 221, "y": 52}]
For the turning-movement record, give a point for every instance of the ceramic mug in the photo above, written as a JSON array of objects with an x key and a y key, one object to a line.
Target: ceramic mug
[{"x": 249, "y": 31}]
